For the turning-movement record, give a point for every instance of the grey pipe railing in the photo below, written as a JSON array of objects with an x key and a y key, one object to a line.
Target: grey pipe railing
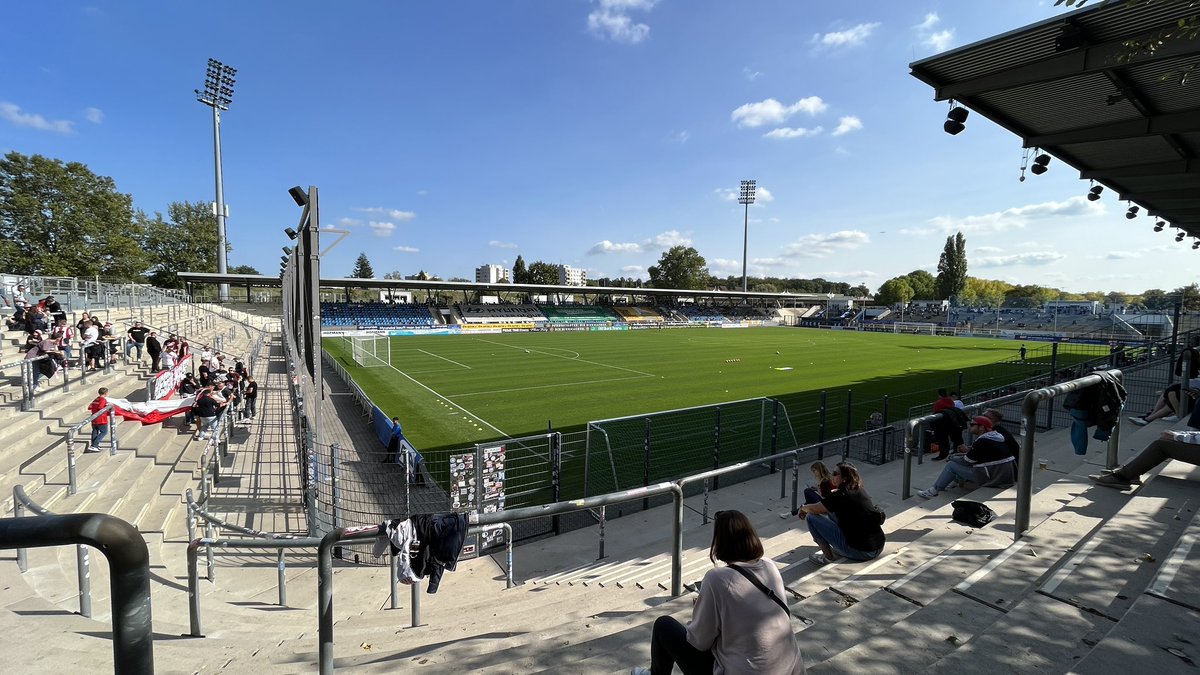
[
  {"x": 1025, "y": 462},
  {"x": 339, "y": 535},
  {"x": 129, "y": 577},
  {"x": 21, "y": 501},
  {"x": 74, "y": 430}
]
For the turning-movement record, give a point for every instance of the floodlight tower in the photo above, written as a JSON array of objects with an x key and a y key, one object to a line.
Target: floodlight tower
[
  {"x": 218, "y": 94},
  {"x": 746, "y": 198}
]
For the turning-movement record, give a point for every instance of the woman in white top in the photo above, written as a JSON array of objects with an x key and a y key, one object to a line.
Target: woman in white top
[{"x": 736, "y": 628}]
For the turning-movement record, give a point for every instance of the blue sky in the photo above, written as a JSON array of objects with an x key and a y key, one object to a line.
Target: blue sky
[{"x": 595, "y": 133}]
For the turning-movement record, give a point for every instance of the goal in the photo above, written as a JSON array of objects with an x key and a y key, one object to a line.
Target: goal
[{"x": 371, "y": 351}]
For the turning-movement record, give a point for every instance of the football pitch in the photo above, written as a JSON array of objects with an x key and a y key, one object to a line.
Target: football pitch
[{"x": 455, "y": 390}]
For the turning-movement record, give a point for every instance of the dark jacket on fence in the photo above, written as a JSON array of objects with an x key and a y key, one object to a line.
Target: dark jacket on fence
[
  {"x": 1102, "y": 402},
  {"x": 440, "y": 540}
]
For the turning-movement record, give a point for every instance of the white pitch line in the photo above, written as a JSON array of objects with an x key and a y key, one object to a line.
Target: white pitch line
[
  {"x": 1171, "y": 567},
  {"x": 987, "y": 569},
  {"x": 1075, "y": 561},
  {"x": 430, "y": 390},
  {"x": 445, "y": 359},
  {"x": 593, "y": 363},
  {"x": 545, "y": 386}
]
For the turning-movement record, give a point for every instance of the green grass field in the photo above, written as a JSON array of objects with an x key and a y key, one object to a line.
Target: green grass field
[{"x": 455, "y": 390}]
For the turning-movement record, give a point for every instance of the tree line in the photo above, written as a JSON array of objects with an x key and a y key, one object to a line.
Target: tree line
[{"x": 61, "y": 219}]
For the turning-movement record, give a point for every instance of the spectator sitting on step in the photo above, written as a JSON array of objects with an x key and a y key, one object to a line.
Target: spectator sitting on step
[
  {"x": 988, "y": 461},
  {"x": 1010, "y": 441},
  {"x": 83, "y": 322},
  {"x": 824, "y": 486},
  {"x": 1170, "y": 406},
  {"x": 740, "y": 622},
  {"x": 856, "y": 531},
  {"x": 16, "y": 321},
  {"x": 34, "y": 339},
  {"x": 1183, "y": 445}
]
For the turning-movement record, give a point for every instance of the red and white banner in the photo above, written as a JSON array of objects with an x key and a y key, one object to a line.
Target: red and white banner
[
  {"x": 151, "y": 412},
  {"x": 167, "y": 382}
]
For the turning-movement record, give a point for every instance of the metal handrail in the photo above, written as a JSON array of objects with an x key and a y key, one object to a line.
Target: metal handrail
[
  {"x": 129, "y": 577},
  {"x": 21, "y": 501}
]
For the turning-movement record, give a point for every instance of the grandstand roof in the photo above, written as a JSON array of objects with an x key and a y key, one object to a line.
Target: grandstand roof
[
  {"x": 1069, "y": 86},
  {"x": 533, "y": 289}
]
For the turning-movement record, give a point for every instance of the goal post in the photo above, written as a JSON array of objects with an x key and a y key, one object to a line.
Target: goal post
[{"x": 371, "y": 351}]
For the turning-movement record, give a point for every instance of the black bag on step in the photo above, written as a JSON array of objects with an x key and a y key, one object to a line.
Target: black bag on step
[{"x": 975, "y": 514}]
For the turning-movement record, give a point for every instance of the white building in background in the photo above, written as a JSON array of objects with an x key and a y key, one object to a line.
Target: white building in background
[
  {"x": 570, "y": 276},
  {"x": 491, "y": 274}
]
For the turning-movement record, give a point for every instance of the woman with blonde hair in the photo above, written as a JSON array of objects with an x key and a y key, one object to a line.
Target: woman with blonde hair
[
  {"x": 846, "y": 524},
  {"x": 740, "y": 623}
]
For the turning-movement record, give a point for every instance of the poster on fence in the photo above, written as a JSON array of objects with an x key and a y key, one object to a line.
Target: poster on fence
[{"x": 477, "y": 484}]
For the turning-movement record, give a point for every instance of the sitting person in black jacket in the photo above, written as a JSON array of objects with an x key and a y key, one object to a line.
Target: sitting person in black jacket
[
  {"x": 980, "y": 463},
  {"x": 846, "y": 523}
]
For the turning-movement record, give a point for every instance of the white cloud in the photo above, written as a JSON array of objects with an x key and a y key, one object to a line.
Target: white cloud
[
  {"x": 680, "y": 137},
  {"x": 633, "y": 269},
  {"x": 847, "y": 124},
  {"x": 501, "y": 244},
  {"x": 1030, "y": 259},
  {"x": 348, "y": 222},
  {"x": 406, "y": 249},
  {"x": 770, "y": 262},
  {"x": 793, "y": 132},
  {"x": 93, "y": 115},
  {"x": 858, "y": 275},
  {"x": 1018, "y": 217},
  {"x": 762, "y": 194},
  {"x": 1122, "y": 255},
  {"x": 394, "y": 214},
  {"x": 607, "y": 246},
  {"x": 938, "y": 40},
  {"x": 751, "y": 75},
  {"x": 667, "y": 239},
  {"x": 846, "y": 38},
  {"x": 821, "y": 245},
  {"x": 381, "y": 228},
  {"x": 611, "y": 20},
  {"x": 771, "y": 111},
  {"x": 422, "y": 193},
  {"x": 988, "y": 249},
  {"x": 12, "y": 113}
]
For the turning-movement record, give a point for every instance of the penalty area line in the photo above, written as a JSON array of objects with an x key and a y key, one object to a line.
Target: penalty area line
[
  {"x": 447, "y": 400},
  {"x": 548, "y": 386}
]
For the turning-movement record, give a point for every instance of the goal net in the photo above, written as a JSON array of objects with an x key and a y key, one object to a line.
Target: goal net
[
  {"x": 914, "y": 328},
  {"x": 371, "y": 351}
]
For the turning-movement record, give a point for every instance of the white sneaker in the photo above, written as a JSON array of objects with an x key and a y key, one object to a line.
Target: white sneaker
[
  {"x": 928, "y": 494},
  {"x": 820, "y": 559},
  {"x": 1171, "y": 419}
]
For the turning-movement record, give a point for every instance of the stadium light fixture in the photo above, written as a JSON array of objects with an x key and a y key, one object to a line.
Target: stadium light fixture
[
  {"x": 291, "y": 233},
  {"x": 955, "y": 120},
  {"x": 287, "y": 250},
  {"x": 1179, "y": 236},
  {"x": 1094, "y": 193},
  {"x": 1040, "y": 164},
  {"x": 746, "y": 198},
  {"x": 218, "y": 94},
  {"x": 1196, "y": 244},
  {"x": 1158, "y": 227},
  {"x": 298, "y": 195},
  {"x": 1132, "y": 212},
  {"x": 283, "y": 259}
]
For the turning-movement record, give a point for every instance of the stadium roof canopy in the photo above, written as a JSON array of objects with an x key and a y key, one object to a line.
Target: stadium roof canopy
[
  {"x": 1071, "y": 86},
  {"x": 466, "y": 287}
]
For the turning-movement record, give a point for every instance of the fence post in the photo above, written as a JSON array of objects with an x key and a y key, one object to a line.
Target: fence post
[
  {"x": 394, "y": 583},
  {"x": 26, "y": 378},
  {"x": 556, "y": 477},
  {"x": 849, "y": 415},
  {"x": 83, "y": 571},
  {"x": 603, "y": 518},
  {"x": 646, "y": 463},
  {"x": 71, "y": 489},
  {"x": 19, "y": 512},
  {"x": 717, "y": 449},
  {"x": 282, "y": 565},
  {"x": 821, "y": 425},
  {"x": 112, "y": 431},
  {"x": 334, "y": 468},
  {"x": 774, "y": 431},
  {"x": 1052, "y": 377},
  {"x": 960, "y": 383}
]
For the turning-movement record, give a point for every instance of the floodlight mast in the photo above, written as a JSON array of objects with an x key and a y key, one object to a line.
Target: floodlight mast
[
  {"x": 746, "y": 198},
  {"x": 218, "y": 94}
]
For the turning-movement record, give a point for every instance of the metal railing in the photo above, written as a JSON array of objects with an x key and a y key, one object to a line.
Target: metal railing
[
  {"x": 21, "y": 501},
  {"x": 129, "y": 577},
  {"x": 74, "y": 430}
]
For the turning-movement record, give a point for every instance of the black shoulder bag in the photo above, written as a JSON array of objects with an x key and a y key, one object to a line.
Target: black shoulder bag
[{"x": 770, "y": 593}]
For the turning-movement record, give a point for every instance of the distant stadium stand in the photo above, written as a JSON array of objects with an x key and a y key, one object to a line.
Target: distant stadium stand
[
  {"x": 375, "y": 315},
  {"x": 484, "y": 314},
  {"x": 577, "y": 313},
  {"x": 638, "y": 315},
  {"x": 701, "y": 314}
]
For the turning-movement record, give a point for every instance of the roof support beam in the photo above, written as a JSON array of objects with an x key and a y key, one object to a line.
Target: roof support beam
[
  {"x": 1097, "y": 58},
  {"x": 1156, "y": 125},
  {"x": 1135, "y": 170}
]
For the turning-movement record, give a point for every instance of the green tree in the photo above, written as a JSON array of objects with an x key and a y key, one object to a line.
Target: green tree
[
  {"x": 242, "y": 269},
  {"x": 1156, "y": 299},
  {"x": 923, "y": 284},
  {"x": 60, "y": 219},
  {"x": 894, "y": 292},
  {"x": 1189, "y": 296},
  {"x": 394, "y": 274},
  {"x": 362, "y": 268},
  {"x": 1116, "y": 298},
  {"x": 952, "y": 268},
  {"x": 542, "y": 273},
  {"x": 860, "y": 291},
  {"x": 680, "y": 267},
  {"x": 520, "y": 275},
  {"x": 185, "y": 242}
]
